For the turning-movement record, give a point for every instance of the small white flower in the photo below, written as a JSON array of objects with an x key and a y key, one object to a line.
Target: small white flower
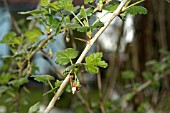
[
  {"x": 51, "y": 29},
  {"x": 73, "y": 89}
]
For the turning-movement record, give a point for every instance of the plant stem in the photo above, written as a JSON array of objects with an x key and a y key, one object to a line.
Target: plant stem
[
  {"x": 77, "y": 18},
  {"x": 82, "y": 56}
]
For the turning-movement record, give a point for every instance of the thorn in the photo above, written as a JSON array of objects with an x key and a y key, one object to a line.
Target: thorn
[{"x": 82, "y": 40}]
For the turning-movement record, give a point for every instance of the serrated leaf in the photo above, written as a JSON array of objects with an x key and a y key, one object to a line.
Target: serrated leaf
[
  {"x": 82, "y": 12},
  {"x": 69, "y": 7},
  {"x": 58, "y": 83},
  {"x": 136, "y": 10},
  {"x": 88, "y": 1},
  {"x": 5, "y": 78},
  {"x": 34, "y": 108},
  {"x": 44, "y": 2},
  {"x": 43, "y": 78},
  {"x": 128, "y": 74},
  {"x": 111, "y": 8},
  {"x": 65, "y": 56},
  {"x": 17, "y": 83},
  {"x": 32, "y": 35},
  {"x": 8, "y": 38},
  {"x": 72, "y": 26},
  {"x": 94, "y": 61},
  {"x": 97, "y": 25},
  {"x": 53, "y": 6},
  {"x": 83, "y": 29}
]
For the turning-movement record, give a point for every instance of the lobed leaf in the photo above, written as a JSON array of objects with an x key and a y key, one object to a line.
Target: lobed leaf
[
  {"x": 64, "y": 57},
  {"x": 32, "y": 35},
  {"x": 43, "y": 78},
  {"x": 94, "y": 61},
  {"x": 111, "y": 8},
  {"x": 44, "y": 2},
  {"x": 34, "y": 108},
  {"x": 88, "y": 1},
  {"x": 58, "y": 83},
  {"x": 136, "y": 10},
  {"x": 17, "y": 83}
]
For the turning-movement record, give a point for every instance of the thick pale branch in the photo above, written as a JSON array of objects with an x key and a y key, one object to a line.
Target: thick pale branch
[{"x": 82, "y": 56}]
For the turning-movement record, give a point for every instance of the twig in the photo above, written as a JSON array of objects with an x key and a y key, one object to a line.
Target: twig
[
  {"x": 82, "y": 56},
  {"x": 59, "y": 74},
  {"x": 100, "y": 92},
  {"x": 84, "y": 103},
  {"x": 40, "y": 46}
]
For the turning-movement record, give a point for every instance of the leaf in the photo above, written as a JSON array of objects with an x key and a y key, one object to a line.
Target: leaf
[
  {"x": 8, "y": 38},
  {"x": 34, "y": 108},
  {"x": 94, "y": 61},
  {"x": 44, "y": 2},
  {"x": 128, "y": 74},
  {"x": 72, "y": 26},
  {"x": 53, "y": 6},
  {"x": 32, "y": 35},
  {"x": 58, "y": 83},
  {"x": 147, "y": 75},
  {"x": 88, "y": 1},
  {"x": 111, "y": 8},
  {"x": 97, "y": 25},
  {"x": 17, "y": 83},
  {"x": 136, "y": 10},
  {"x": 3, "y": 89},
  {"x": 43, "y": 78},
  {"x": 83, "y": 29},
  {"x": 65, "y": 56},
  {"x": 128, "y": 96},
  {"x": 5, "y": 78},
  {"x": 82, "y": 12}
]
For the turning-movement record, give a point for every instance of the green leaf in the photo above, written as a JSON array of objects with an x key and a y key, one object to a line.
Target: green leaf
[
  {"x": 155, "y": 84},
  {"x": 68, "y": 88},
  {"x": 58, "y": 83},
  {"x": 82, "y": 12},
  {"x": 43, "y": 78},
  {"x": 3, "y": 89},
  {"x": 5, "y": 78},
  {"x": 88, "y": 1},
  {"x": 147, "y": 75},
  {"x": 83, "y": 29},
  {"x": 128, "y": 96},
  {"x": 72, "y": 26},
  {"x": 32, "y": 35},
  {"x": 97, "y": 25},
  {"x": 128, "y": 74},
  {"x": 111, "y": 8},
  {"x": 65, "y": 56},
  {"x": 8, "y": 38},
  {"x": 17, "y": 83},
  {"x": 34, "y": 108},
  {"x": 53, "y": 6},
  {"x": 44, "y": 2},
  {"x": 136, "y": 10},
  {"x": 94, "y": 61}
]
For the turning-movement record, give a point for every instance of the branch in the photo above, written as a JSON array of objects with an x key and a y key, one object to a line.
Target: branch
[
  {"x": 82, "y": 56},
  {"x": 40, "y": 46}
]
